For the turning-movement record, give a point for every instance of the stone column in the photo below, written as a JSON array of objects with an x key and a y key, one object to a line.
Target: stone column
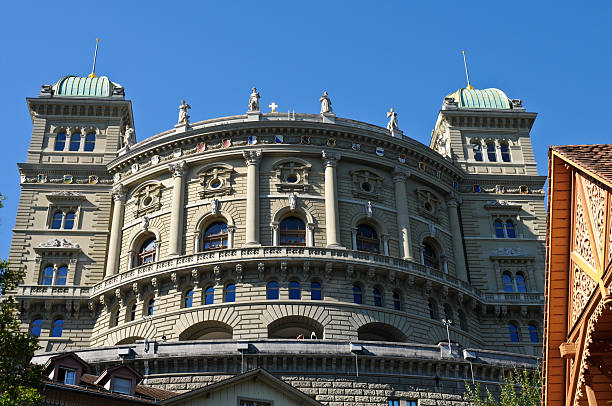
[
  {"x": 453, "y": 215},
  {"x": 178, "y": 206},
  {"x": 332, "y": 221},
  {"x": 403, "y": 218},
  {"x": 252, "y": 158},
  {"x": 114, "y": 244}
]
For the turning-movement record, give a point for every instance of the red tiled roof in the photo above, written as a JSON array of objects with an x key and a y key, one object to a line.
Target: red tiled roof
[
  {"x": 154, "y": 393},
  {"x": 595, "y": 158}
]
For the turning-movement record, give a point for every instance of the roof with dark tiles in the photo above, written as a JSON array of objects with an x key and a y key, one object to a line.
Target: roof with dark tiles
[{"x": 593, "y": 158}]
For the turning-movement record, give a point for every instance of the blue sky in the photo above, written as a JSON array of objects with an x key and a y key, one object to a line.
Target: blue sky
[{"x": 369, "y": 56}]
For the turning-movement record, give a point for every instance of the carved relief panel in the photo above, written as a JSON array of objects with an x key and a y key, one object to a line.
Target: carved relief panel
[
  {"x": 148, "y": 199},
  {"x": 292, "y": 176},
  {"x": 216, "y": 181},
  {"x": 428, "y": 203},
  {"x": 367, "y": 185}
]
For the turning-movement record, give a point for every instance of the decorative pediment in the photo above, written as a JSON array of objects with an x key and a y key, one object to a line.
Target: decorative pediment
[
  {"x": 65, "y": 196},
  {"x": 367, "y": 185},
  {"x": 148, "y": 198},
  {"x": 216, "y": 181},
  {"x": 292, "y": 176},
  {"x": 429, "y": 203},
  {"x": 502, "y": 206},
  {"x": 514, "y": 254},
  {"x": 54, "y": 246}
]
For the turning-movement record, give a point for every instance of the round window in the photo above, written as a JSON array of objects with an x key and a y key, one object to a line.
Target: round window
[
  {"x": 292, "y": 178},
  {"x": 215, "y": 183},
  {"x": 147, "y": 201},
  {"x": 366, "y": 187}
]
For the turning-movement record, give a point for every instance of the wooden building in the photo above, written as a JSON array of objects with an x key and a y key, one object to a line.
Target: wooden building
[{"x": 577, "y": 367}]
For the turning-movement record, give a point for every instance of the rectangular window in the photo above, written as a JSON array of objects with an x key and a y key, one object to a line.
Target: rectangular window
[
  {"x": 394, "y": 402},
  {"x": 67, "y": 376},
  {"x": 122, "y": 385},
  {"x": 412, "y": 403},
  {"x": 244, "y": 402}
]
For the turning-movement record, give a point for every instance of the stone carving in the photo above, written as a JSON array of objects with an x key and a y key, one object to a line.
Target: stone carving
[
  {"x": 329, "y": 267},
  {"x": 429, "y": 203},
  {"x": 178, "y": 168},
  {"x": 306, "y": 268},
  {"x": 261, "y": 270},
  {"x": 292, "y": 201},
  {"x": 65, "y": 194},
  {"x": 183, "y": 113},
  {"x": 239, "y": 273},
  {"x": 509, "y": 252},
  {"x": 214, "y": 206},
  {"x": 215, "y": 181},
  {"x": 148, "y": 199},
  {"x": 59, "y": 243},
  {"x": 292, "y": 176},
  {"x": 254, "y": 100},
  {"x": 392, "y": 124},
  {"x": 350, "y": 271},
  {"x": 217, "y": 273},
  {"x": 371, "y": 273},
  {"x": 252, "y": 157},
  {"x": 195, "y": 276},
  {"x": 145, "y": 223},
  {"x": 441, "y": 145},
  {"x": 369, "y": 209},
  {"x": 325, "y": 104},
  {"x": 129, "y": 138},
  {"x": 119, "y": 192},
  {"x": 366, "y": 185}
]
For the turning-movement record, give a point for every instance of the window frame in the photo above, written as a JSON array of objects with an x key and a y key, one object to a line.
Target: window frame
[
  {"x": 150, "y": 307},
  {"x": 533, "y": 333},
  {"x": 272, "y": 291},
  {"x": 57, "y": 323},
  {"x": 294, "y": 289},
  {"x": 508, "y": 282},
  {"x": 433, "y": 259},
  {"x": 125, "y": 380},
  {"x": 222, "y": 238},
  {"x": 506, "y": 153},
  {"x": 75, "y": 140},
  {"x": 188, "y": 298},
  {"x": 287, "y": 233},
  {"x": 514, "y": 333},
  {"x": 66, "y": 371},
  {"x": 229, "y": 293},
  {"x": 60, "y": 140},
  {"x": 377, "y": 297},
  {"x": 69, "y": 217},
  {"x": 144, "y": 256},
  {"x": 314, "y": 289},
  {"x": 397, "y": 300},
  {"x": 36, "y": 323},
  {"x": 209, "y": 292},
  {"x": 364, "y": 243},
  {"x": 491, "y": 151},
  {"x": 90, "y": 143},
  {"x": 477, "y": 151},
  {"x": 357, "y": 294}
]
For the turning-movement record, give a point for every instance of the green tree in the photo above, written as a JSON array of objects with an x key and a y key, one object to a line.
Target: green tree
[
  {"x": 518, "y": 388},
  {"x": 20, "y": 380}
]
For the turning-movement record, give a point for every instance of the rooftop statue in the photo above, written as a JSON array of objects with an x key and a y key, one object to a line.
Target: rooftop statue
[
  {"x": 325, "y": 104},
  {"x": 392, "y": 124},
  {"x": 183, "y": 114},
  {"x": 129, "y": 138},
  {"x": 254, "y": 100}
]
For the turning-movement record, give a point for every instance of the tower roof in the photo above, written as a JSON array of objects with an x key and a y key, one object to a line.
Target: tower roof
[
  {"x": 481, "y": 99},
  {"x": 85, "y": 86}
]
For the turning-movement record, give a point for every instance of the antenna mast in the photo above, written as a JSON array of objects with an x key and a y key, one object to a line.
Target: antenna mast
[
  {"x": 467, "y": 75},
  {"x": 93, "y": 68}
]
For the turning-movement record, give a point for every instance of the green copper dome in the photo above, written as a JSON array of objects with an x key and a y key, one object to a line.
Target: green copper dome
[
  {"x": 84, "y": 87},
  {"x": 481, "y": 99}
]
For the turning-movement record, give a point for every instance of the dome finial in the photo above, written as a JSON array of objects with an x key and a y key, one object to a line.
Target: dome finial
[
  {"x": 469, "y": 86},
  {"x": 93, "y": 68}
]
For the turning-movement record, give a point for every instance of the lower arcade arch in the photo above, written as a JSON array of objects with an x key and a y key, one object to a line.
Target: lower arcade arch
[
  {"x": 295, "y": 326},
  {"x": 380, "y": 332},
  {"x": 207, "y": 330}
]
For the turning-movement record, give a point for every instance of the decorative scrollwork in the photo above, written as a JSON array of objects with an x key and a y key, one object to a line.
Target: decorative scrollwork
[
  {"x": 583, "y": 287},
  {"x": 596, "y": 196},
  {"x": 582, "y": 243}
]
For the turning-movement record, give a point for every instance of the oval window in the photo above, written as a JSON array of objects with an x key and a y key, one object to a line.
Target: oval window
[
  {"x": 292, "y": 178},
  {"x": 215, "y": 183}
]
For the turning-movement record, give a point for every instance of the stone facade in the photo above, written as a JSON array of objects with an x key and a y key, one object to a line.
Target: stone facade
[{"x": 392, "y": 237}]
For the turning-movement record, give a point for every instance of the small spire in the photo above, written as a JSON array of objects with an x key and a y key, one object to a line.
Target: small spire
[
  {"x": 467, "y": 75},
  {"x": 93, "y": 68}
]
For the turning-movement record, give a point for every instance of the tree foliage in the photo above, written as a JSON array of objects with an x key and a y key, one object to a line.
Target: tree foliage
[
  {"x": 518, "y": 388},
  {"x": 20, "y": 381}
]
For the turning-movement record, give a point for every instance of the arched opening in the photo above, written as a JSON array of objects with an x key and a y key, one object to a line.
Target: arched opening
[
  {"x": 295, "y": 292},
  {"x": 57, "y": 328},
  {"x": 60, "y": 141},
  {"x": 534, "y": 337},
  {"x": 215, "y": 236},
  {"x": 90, "y": 142},
  {"x": 75, "y": 141},
  {"x": 510, "y": 229},
  {"x": 513, "y": 331},
  {"x": 207, "y": 330},
  {"x": 69, "y": 220},
  {"x": 56, "y": 222},
  {"x": 448, "y": 313},
  {"x": 114, "y": 317},
  {"x": 62, "y": 275},
  {"x": 462, "y": 320},
  {"x": 499, "y": 229},
  {"x": 433, "y": 309},
  {"x": 229, "y": 294},
  {"x": 377, "y": 296},
  {"x": 188, "y": 298},
  {"x": 292, "y": 327},
  {"x": 430, "y": 255},
  {"x": 477, "y": 148},
  {"x": 504, "y": 148},
  {"x": 129, "y": 340},
  {"x": 316, "y": 291},
  {"x": 47, "y": 275},
  {"x": 397, "y": 300},
  {"x": 380, "y": 332},
  {"x": 130, "y": 313},
  {"x": 272, "y": 290},
  {"x": 508, "y": 285},
  {"x": 520, "y": 283},
  {"x": 491, "y": 155},
  {"x": 36, "y": 327},
  {"x": 209, "y": 295},
  {"x": 367, "y": 239},
  {"x": 292, "y": 231},
  {"x": 147, "y": 251},
  {"x": 357, "y": 294},
  {"x": 150, "y": 307}
]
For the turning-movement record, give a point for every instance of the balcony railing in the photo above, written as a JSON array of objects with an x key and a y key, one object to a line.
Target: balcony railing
[{"x": 40, "y": 291}]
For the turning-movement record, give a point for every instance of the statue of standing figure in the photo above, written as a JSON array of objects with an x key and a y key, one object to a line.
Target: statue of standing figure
[
  {"x": 129, "y": 137},
  {"x": 392, "y": 124},
  {"x": 183, "y": 114},
  {"x": 325, "y": 104},
  {"x": 254, "y": 100}
]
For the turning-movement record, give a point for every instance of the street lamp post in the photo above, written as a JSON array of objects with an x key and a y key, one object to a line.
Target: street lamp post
[{"x": 447, "y": 323}]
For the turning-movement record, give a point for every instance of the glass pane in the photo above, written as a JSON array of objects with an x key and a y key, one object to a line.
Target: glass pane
[
  {"x": 70, "y": 377},
  {"x": 189, "y": 298},
  {"x": 508, "y": 286},
  {"x": 377, "y": 298},
  {"x": 477, "y": 152},
  {"x": 75, "y": 142},
  {"x": 230, "y": 293},
  {"x": 357, "y": 298},
  {"x": 48, "y": 276},
  {"x": 58, "y": 328},
  {"x": 133, "y": 313},
  {"x": 60, "y": 142},
  {"x": 520, "y": 283},
  {"x": 294, "y": 290},
  {"x": 272, "y": 290},
  {"x": 292, "y": 223},
  {"x": 69, "y": 221},
  {"x": 499, "y": 229},
  {"x": 315, "y": 291},
  {"x": 121, "y": 385},
  {"x": 57, "y": 220},
  {"x": 491, "y": 152},
  {"x": 36, "y": 326},
  {"x": 210, "y": 295},
  {"x": 513, "y": 333},
  {"x": 510, "y": 229},
  {"x": 396, "y": 301},
  {"x": 151, "y": 307},
  {"x": 533, "y": 334},
  {"x": 90, "y": 142},
  {"x": 62, "y": 275}
]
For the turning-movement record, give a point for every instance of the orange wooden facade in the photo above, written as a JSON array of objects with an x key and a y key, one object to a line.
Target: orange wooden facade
[{"x": 577, "y": 365}]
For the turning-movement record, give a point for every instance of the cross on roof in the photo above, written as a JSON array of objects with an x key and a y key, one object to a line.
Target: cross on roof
[{"x": 273, "y": 106}]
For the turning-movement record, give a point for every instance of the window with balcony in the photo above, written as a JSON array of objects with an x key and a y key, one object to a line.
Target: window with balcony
[
  {"x": 69, "y": 221},
  {"x": 215, "y": 237},
  {"x": 520, "y": 283},
  {"x": 56, "y": 222},
  {"x": 430, "y": 256},
  {"x": 367, "y": 239},
  {"x": 53, "y": 275},
  {"x": 508, "y": 284},
  {"x": 147, "y": 252},
  {"x": 292, "y": 231}
]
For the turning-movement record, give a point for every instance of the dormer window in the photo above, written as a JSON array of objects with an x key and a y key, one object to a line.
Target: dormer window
[
  {"x": 66, "y": 376},
  {"x": 122, "y": 385}
]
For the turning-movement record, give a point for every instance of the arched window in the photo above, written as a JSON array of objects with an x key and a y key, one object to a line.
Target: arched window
[
  {"x": 69, "y": 221},
  {"x": 47, "y": 277},
  {"x": 57, "y": 328},
  {"x": 377, "y": 297},
  {"x": 357, "y": 295},
  {"x": 131, "y": 312},
  {"x": 215, "y": 237},
  {"x": 491, "y": 155},
  {"x": 56, "y": 223},
  {"x": 61, "y": 276},
  {"x": 272, "y": 290},
  {"x": 397, "y": 301},
  {"x": 510, "y": 231},
  {"x": 150, "y": 307},
  {"x": 433, "y": 310},
  {"x": 188, "y": 300},
  {"x": 294, "y": 290},
  {"x": 534, "y": 337},
  {"x": 508, "y": 285},
  {"x": 499, "y": 229},
  {"x": 430, "y": 258},
  {"x": 230, "y": 293},
  {"x": 316, "y": 293},
  {"x": 505, "y": 151},
  {"x": 114, "y": 321},
  {"x": 477, "y": 148},
  {"x": 90, "y": 142},
  {"x": 520, "y": 283},
  {"x": 367, "y": 239},
  {"x": 75, "y": 141},
  {"x": 147, "y": 252},
  {"x": 462, "y": 320},
  {"x": 60, "y": 141},
  {"x": 514, "y": 332},
  {"x": 292, "y": 231},
  {"x": 209, "y": 297},
  {"x": 36, "y": 327},
  {"x": 448, "y": 313}
]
